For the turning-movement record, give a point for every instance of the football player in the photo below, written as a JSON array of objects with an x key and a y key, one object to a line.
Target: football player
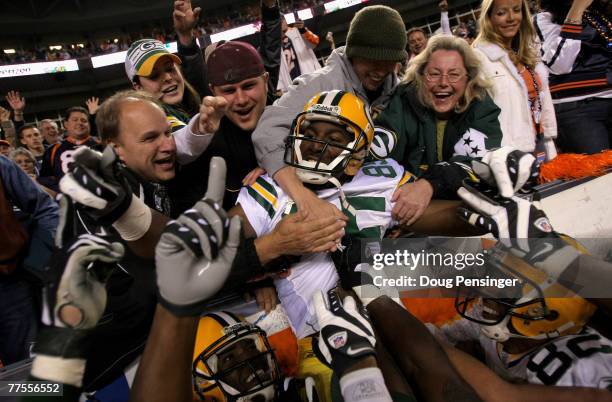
[
  {"x": 539, "y": 334},
  {"x": 328, "y": 144}
]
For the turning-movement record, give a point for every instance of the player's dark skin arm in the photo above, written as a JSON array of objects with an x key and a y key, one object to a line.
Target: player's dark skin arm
[
  {"x": 418, "y": 355},
  {"x": 145, "y": 246},
  {"x": 491, "y": 388},
  {"x": 441, "y": 219},
  {"x": 164, "y": 372}
]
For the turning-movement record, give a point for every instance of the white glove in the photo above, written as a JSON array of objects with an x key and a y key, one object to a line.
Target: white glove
[{"x": 195, "y": 253}]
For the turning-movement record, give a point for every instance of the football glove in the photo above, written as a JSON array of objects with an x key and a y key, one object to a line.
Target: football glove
[
  {"x": 195, "y": 253},
  {"x": 507, "y": 169},
  {"x": 519, "y": 225},
  {"x": 346, "y": 334}
]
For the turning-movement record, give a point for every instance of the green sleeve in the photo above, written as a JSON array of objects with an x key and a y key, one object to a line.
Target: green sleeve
[{"x": 392, "y": 118}]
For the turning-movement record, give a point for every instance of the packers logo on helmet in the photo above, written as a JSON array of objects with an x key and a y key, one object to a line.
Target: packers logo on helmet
[
  {"x": 540, "y": 308},
  {"x": 331, "y": 138},
  {"x": 233, "y": 361}
]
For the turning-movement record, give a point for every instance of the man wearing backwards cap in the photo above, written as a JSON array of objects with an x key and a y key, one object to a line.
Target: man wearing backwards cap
[
  {"x": 375, "y": 43},
  {"x": 239, "y": 84}
]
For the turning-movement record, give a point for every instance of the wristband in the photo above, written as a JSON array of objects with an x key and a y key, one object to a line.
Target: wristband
[
  {"x": 365, "y": 385},
  {"x": 135, "y": 221}
]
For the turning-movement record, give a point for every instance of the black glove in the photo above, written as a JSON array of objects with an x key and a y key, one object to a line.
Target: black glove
[
  {"x": 508, "y": 169},
  {"x": 518, "y": 224}
]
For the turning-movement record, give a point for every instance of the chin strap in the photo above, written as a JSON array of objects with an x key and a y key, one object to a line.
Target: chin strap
[{"x": 343, "y": 201}]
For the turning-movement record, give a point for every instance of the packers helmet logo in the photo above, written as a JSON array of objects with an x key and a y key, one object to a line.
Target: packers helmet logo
[{"x": 383, "y": 143}]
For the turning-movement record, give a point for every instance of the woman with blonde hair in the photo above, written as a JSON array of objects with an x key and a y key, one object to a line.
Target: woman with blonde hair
[
  {"x": 440, "y": 113},
  {"x": 508, "y": 49}
]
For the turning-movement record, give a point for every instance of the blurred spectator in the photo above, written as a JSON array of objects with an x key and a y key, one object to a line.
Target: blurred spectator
[
  {"x": 8, "y": 128},
  {"x": 26, "y": 161},
  {"x": 5, "y": 148},
  {"x": 17, "y": 310},
  {"x": 30, "y": 138},
  {"x": 509, "y": 55},
  {"x": 57, "y": 157},
  {"x": 297, "y": 56},
  {"x": 50, "y": 132},
  {"x": 576, "y": 45},
  {"x": 463, "y": 31}
]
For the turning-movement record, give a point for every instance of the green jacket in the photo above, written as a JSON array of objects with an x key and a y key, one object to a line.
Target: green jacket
[{"x": 467, "y": 135}]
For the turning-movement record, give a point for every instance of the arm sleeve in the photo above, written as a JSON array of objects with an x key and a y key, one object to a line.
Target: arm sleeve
[
  {"x": 255, "y": 212},
  {"x": 28, "y": 197},
  {"x": 275, "y": 123},
  {"x": 190, "y": 146},
  {"x": 445, "y": 23},
  {"x": 194, "y": 69},
  {"x": 560, "y": 44},
  {"x": 270, "y": 48},
  {"x": 310, "y": 38}
]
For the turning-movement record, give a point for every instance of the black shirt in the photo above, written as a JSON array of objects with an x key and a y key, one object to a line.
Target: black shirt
[{"x": 232, "y": 144}]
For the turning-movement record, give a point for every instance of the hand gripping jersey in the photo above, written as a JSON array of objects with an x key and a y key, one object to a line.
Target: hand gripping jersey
[
  {"x": 369, "y": 211},
  {"x": 579, "y": 360}
]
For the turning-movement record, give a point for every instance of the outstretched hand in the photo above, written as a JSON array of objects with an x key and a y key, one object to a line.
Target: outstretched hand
[{"x": 195, "y": 253}]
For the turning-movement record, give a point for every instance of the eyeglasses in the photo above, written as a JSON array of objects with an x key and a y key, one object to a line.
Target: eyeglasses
[{"x": 437, "y": 77}]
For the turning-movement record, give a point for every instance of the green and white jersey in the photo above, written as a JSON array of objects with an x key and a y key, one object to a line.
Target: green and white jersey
[
  {"x": 580, "y": 360},
  {"x": 369, "y": 195}
]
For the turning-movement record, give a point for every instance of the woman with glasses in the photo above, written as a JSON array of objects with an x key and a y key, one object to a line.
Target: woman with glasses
[
  {"x": 508, "y": 51},
  {"x": 440, "y": 113},
  {"x": 27, "y": 162}
]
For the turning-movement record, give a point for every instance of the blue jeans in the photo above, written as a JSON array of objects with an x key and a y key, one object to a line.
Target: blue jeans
[
  {"x": 17, "y": 320},
  {"x": 584, "y": 126}
]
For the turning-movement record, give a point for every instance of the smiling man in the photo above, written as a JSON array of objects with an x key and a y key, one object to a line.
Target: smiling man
[
  {"x": 239, "y": 84},
  {"x": 57, "y": 157}
]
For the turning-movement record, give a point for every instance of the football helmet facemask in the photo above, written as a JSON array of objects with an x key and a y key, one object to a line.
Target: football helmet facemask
[
  {"x": 233, "y": 361},
  {"x": 340, "y": 108},
  {"x": 540, "y": 308}
]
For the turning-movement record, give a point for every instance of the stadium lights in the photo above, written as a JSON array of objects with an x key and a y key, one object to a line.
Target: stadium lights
[
  {"x": 9, "y": 51},
  {"x": 55, "y": 47},
  {"x": 116, "y": 40}
]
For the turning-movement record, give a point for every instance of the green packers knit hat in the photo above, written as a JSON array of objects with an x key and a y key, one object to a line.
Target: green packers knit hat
[
  {"x": 142, "y": 56},
  {"x": 377, "y": 33}
]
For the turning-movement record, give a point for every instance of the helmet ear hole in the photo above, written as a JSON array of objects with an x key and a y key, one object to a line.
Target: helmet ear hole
[{"x": 553, "y": 315}]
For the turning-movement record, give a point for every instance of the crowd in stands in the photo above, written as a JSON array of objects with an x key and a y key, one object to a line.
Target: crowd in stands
[
  {"x": 233, "y": 171},
  {"x": 216, "y": 20}
]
